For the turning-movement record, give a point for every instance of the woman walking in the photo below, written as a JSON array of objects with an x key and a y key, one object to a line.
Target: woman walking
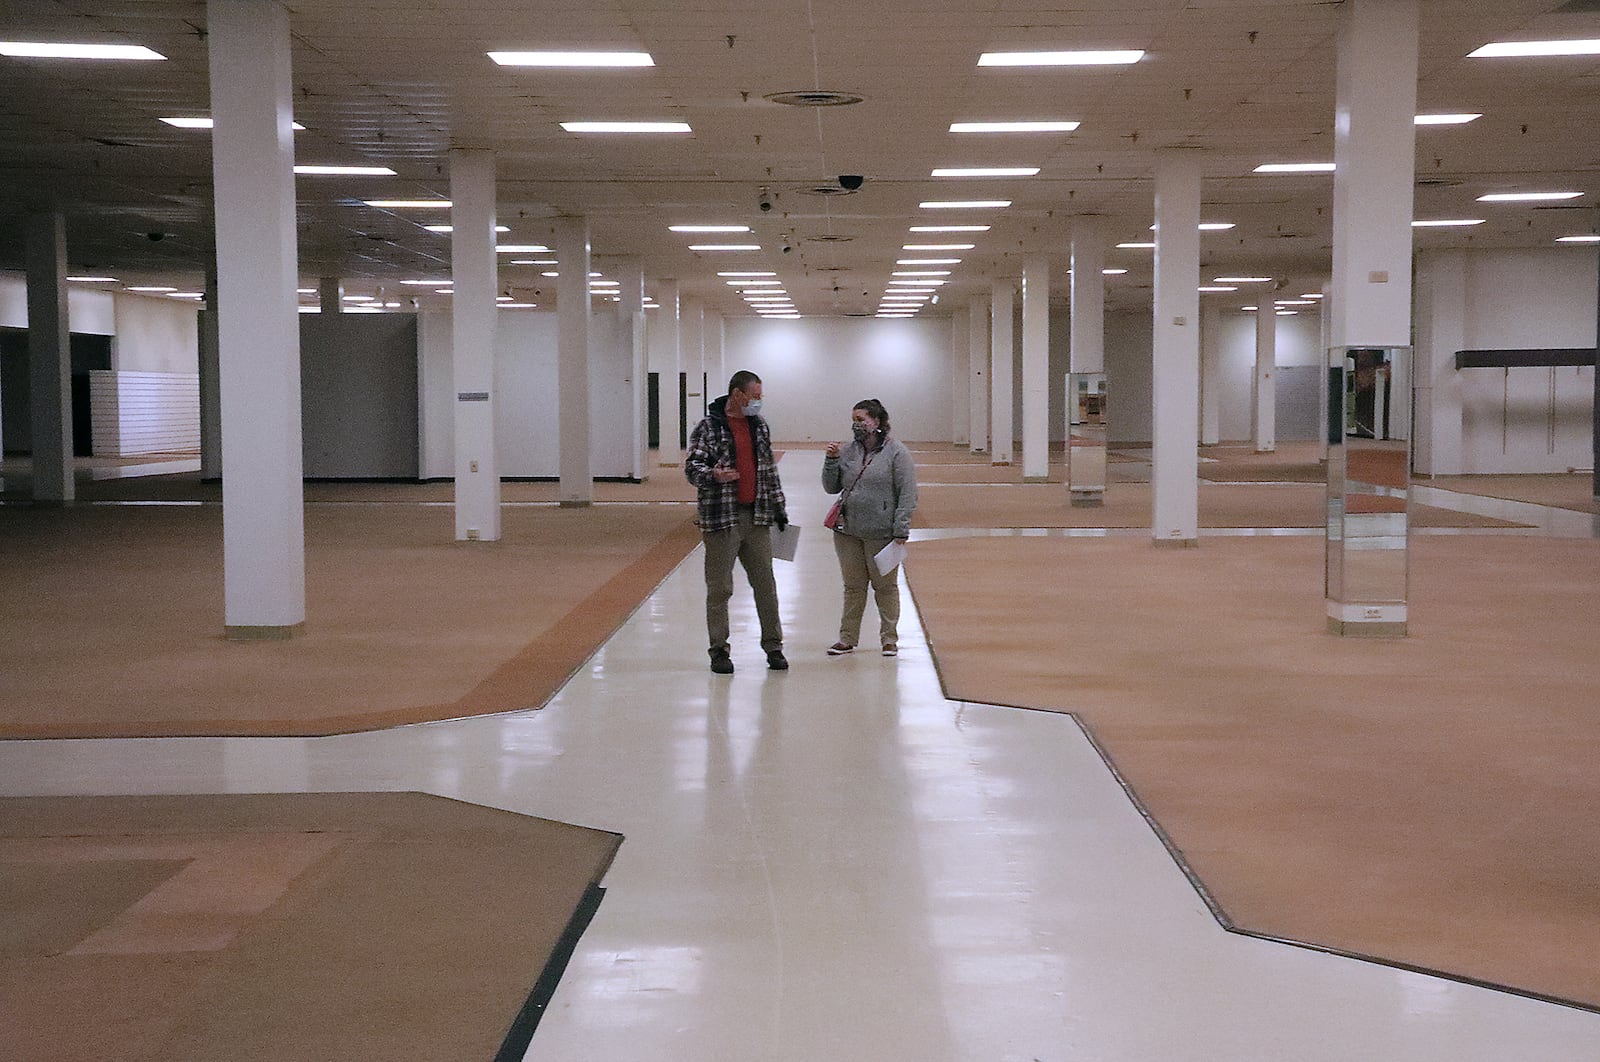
[{"x": 877, "y": 483}]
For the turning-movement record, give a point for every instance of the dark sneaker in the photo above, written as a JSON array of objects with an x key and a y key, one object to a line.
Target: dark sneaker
[
  {"x": 721, "y": 662},
  {"x": 776, "y": 661},
  {"x": 891, "y": 650},
  {"x": 839, "y": 649}
]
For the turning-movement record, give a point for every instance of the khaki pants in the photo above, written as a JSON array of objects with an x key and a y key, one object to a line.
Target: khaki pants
[
  {"x": 855, "y": 565},
  {"x": 752, "y": 546}
]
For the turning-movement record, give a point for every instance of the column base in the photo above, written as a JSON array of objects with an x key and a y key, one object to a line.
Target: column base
[
  {"x": 1175, "y": 543},
  {"x": 1036, "y": 479},
  {"x": 1353, "y": 629},
  {"x": 1088, "y": 499},
  {"x": 576, "y": 503},
  {"x": 237, "y": 632},
  {"x": 1000, "y": 464},
  {"x": 1367, "y": 621}
]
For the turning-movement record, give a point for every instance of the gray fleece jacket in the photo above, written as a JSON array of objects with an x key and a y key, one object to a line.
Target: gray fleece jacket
[{"x": 881, "y": 503}]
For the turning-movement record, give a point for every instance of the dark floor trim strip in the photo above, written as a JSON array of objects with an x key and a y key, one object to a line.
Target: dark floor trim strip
[{"x": 515, "y": 1045}]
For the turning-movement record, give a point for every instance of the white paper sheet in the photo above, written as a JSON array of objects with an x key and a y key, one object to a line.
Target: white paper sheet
[
  {"x": 785, "y": 541},
  {"x": 889, "y": 558}
]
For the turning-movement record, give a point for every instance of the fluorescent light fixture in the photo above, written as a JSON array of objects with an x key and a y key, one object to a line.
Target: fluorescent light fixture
[
  {"x": 1446, "y": 119},
  {"x": 1294, "y": 302},
  {"x": 1446, "y": 223},
  {"x": 315, "y": 170},
  {"x": 52, "y": 50},
  {"x": 186, "y": 295},
  {"x": 1578, "y": 239},
  {"x": 920, "y": 273},
  {"x": 950, "y": 228},
  {"x": 444, "y": 291},
  {"x": 158, "y": 290},
  {"x": 1206, "y": 226},
  {"x": 1113, "y": 272},
  {"x": 93, "y": 280},
  {"x": 519, "y": 305},
  {"x": 310, "y": 309},
  {"x": 605, "y": 284},
  {"x": 927, "y": 261},
  {"x": 1218, "y": 287},
  {"x": 543, "y": 261},
  {"x": 1250, "y": 308},
  {"x": 358, "y": 298},
  {"x": 1137, "y": 246},
  {"x": 751, "y": 283},
  {"x": 550, "y": 274},
  {"x": 1013, "y": 127},
  {"x": 724, "y": 247},
  {"x": 409, "y": 204},
  {"x": 572, "y": 59},
  {"x": 1288, "y": 313},
  {"x": 985, "y": 171},
  {"x": 626, "y": 127},
  {"x": 1513, "y": 49},
  {"x": 748, "y": 273},
  {"x": 198, "y": 122},
  {"x": 912, "y": 285},
  {"x": 937, "y": 246},
  {"x": 1526, "y": 197},
  {"x": 1295, "y": 167},
  {"x": 504, "y": 298},
  {"x": 1241, "y": 280},
  {"x": 708, "y": 228},
  {"x": 521, "y": 248},
  {"x": 1073, "y": 58},
  {"x": 451, "y": 228},
  {"x": 1312, "y": 295},
  {"x": 426, "y": 283},
  {"x": 967, "y": 204}
]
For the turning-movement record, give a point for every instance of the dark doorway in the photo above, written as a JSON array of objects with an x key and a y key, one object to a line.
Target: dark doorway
[
  {"x": 683, "y": 411},
  {"x": 89, "y": 352},
  {"x": 653, "y": 411}
]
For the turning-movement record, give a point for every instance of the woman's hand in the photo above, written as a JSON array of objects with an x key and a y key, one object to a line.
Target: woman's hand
[{"x": 832, "y": 450}]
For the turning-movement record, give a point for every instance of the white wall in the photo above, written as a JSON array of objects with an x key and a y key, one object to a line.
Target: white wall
[
  {"x": 1479, "y": 421},
  {"x": 89, "y": 312},
  {"x": 155, "y": 334},
  {"x": 1299, "y": 341},
  {"x": 526, "y": 396},
  {"x": 813, "y": 370},
  {"x": 144, "y": 412}
]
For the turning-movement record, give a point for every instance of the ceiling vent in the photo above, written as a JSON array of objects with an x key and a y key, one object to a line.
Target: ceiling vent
[
  {"x": 829, "y": 237},
  {"x": 814, "y": 98},
  {"x": 825, "y": 189},
  {"x": 1437, "y": 182}
]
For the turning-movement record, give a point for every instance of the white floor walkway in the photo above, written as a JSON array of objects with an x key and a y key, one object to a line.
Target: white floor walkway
[{"x": 837, "y": 864}]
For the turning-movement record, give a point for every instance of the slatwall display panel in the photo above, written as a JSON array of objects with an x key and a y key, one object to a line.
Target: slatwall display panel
[{"x": 144, "y": 412}]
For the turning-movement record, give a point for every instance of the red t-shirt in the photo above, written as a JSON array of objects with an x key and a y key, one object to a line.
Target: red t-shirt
[{"x": 744, "y": 459}]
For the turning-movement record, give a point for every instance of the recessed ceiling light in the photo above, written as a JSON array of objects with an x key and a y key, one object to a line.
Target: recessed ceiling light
[
  {"x": 519, "y": 305},
  {"x": 626, "y": 127},
  {"x": 969, "y": 204},
  {"x": 1205, "y": 226},
  {"x": 921, "y": 273},
  {"x": 1295, "y": 167},
  {"x": 1578, "y": 239},
  {"x": 1137, "y": 246},
  {"x": 344, "y": 171},
  {"x": 1241, "y": 280},
  {"x": 310, "y": 309},
  {"x": 1013, "y": 127},
  {"x": 1446, "y": 223},
  {"x": 301, "y": 291},
  {"x": 503, "y": 298},
  {"x": 1312, "y": 295},
  {"x": 451, "y": 228},
  {"x": 1526, "y": 197},
  {"x": 724, "y": 247},
  {"x": 572, "y": 59},
  {"x": 444, "y": 291},
  {"x": 1217, "y": 287},
  {"x": 1072, "y": 58},
  {"x": 358, "y": 298},
  {"x": 1113, "y": 272},
  {"x": 1503, "y": 49},
  {"x": 937, "y": 246},
  {"x": 1288, "y": 313},
  {"x": 950, "y": 228},
  {"x": 550, "y": 274},
  {"x": 1293, "y": 302},
  {"x": 985, "y": 171},
  {"x": 52, "y": 50},
  {"x": 748, "y": 273},
  {"x": 409, "y": 204},
  {"x": 605, "y": 284},
  {"x": 927, "y": 261},
  {"x": 426, "y": 283},
  {"x": 521, "y": 248},
  {"x": 157, "y": 290},
  {"x": 1446, "y": 119},
  {"x": 1249, "y": 308},
  {"x": 186, "y": 295},
  {"x": 708, "y": 228},
  {"x": 198, "y": 122},
  {"x": 915, "y": 285},
  {"x": 93, "y": 280}
]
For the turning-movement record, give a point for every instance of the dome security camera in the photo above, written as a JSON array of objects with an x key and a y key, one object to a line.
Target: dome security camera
[
  {"x": 764, "y": 201},
  {"x": 851, "y": 182},
  {"x": 155, "y": 237}
]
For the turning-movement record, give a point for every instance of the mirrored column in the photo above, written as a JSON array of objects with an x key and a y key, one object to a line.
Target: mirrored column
[{"x": 1086, "y": 438}]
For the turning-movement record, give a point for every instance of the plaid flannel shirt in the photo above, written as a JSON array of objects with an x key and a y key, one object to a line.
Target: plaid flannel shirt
[{"x": 712, "y": 445}]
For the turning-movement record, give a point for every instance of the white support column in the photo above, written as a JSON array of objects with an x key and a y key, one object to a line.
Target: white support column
[
  {"x": 1002, "y": 371},
  {"x": 1176, "y": 368},
  {"x": 630, "y": 311},
  {"x": 1324, "y": 341},
  {"x": 572, "y": 363},
  {"x": 978, "y": 361},
  {"x": 474, "y": 277},
  {"x": 49, "y": 360},
  {"x": 716, "y": 335},
  {"x": 330, "y": 294},
  {"x": 960, "y": 378},
  {"x": 668, "y": 415},
  {"x": 1036, "y": 369},
  {"x": 693, "y": 352},
  {"x": 210, "y": 368},
  {"x": 252, "y": 153},
  {"x": 1087, "y": 295},
  {"x": 1210, "y": 374},
  {"x": 1264, "y": 380}
]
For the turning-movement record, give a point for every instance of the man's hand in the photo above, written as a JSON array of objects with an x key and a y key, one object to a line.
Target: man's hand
[
  {"x": 725, "y": 473},
  {"x": 783, "y": 521}
]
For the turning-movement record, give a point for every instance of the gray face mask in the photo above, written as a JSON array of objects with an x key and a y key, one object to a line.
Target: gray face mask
[
  {"x": 861, "y": 431},
  {"x": 752, "y": 408}
]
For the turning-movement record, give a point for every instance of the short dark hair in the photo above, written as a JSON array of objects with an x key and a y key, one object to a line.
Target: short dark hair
[
  {"x": 742, "y": 380},
  {"x": 874, "y": 409}
]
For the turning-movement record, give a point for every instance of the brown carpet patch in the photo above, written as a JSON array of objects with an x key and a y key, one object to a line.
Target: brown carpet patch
[
  {"x": 1428, "y": 800},
  {"x": 373, "y": 925}
]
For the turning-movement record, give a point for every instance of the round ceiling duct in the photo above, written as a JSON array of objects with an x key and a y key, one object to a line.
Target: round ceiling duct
[{"x": 814, "y": 98}]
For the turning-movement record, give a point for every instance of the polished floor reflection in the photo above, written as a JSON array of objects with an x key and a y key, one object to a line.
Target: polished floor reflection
[{"x": 837, "y": 863}]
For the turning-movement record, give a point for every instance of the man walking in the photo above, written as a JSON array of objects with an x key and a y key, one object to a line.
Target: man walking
[{"x": 730, "y": 463}]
